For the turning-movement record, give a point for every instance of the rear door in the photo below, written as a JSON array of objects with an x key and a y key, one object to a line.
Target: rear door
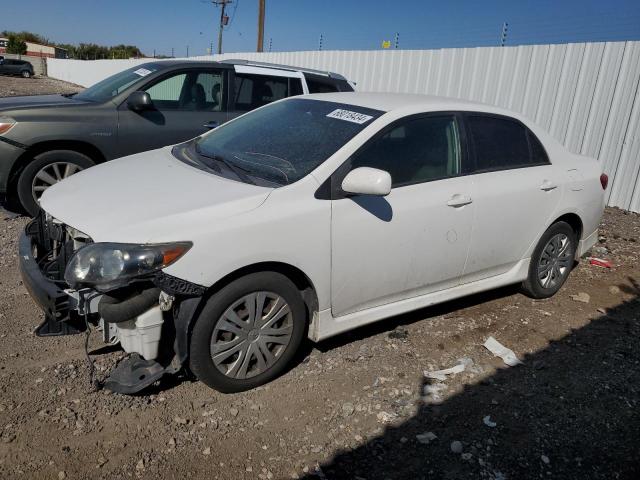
[
  {"x": 187, "y": 103},
  {"x": 516, "y": 191},
  {"x": 253, "y": 87}
]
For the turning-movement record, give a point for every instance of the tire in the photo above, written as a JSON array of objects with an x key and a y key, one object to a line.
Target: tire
[
  {"x": 26, "y": 74},
  {"x": 227, "y": 374},
  {"x": 557, "y": 244},
  {"x": 47, "y": 161}
]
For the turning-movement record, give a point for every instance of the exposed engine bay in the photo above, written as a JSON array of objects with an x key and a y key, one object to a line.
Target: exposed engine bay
[{"x": 144, "y": 315}]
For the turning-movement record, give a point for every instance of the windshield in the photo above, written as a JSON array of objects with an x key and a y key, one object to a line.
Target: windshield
[
  {"x": 115, "y": 84},
  {"x": 283, "y": 142}
]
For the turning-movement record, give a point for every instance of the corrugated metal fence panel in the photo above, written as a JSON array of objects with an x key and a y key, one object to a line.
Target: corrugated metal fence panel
[{"x": 585, "y": 94}]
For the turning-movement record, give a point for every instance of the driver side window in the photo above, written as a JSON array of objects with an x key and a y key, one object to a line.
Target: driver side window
[
  {"x": 189, "y": 91},
  {"x": 415, "y": 150}
]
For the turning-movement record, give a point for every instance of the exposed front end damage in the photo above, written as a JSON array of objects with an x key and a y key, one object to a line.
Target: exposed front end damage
[{"x": 149, "y": 316}]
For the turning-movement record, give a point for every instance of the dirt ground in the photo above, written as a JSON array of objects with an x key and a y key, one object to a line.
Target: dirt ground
[
  {"x": 14, "y": 86},
  {"x": 357, "y": 406}
]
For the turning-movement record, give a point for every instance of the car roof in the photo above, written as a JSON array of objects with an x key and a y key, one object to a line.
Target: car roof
[
  {"x": 231, "y": 63},
  {"x": 388, "y": 102}
]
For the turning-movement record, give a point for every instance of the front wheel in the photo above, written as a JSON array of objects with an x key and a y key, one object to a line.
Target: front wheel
[
  {"x": 248, "y": 332},
  {"x": 26, "y": 74},
  {"x": 45, "y": 170},
  {"x": 551, "y": 262}
]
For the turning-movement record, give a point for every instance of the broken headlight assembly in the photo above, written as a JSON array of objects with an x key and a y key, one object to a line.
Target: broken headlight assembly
[{"x": 105, "y": 266}]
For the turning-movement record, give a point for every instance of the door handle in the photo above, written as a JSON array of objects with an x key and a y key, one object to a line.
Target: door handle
[
  {"x": 211, "y": 125},
  {"x": 548, "y": 186},
  {"x": 459, "y": 200}
]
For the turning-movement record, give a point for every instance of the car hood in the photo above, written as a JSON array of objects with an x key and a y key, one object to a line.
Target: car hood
[
  {"x": 147, "y": 197},
  {"x": 37, "y": 101}
]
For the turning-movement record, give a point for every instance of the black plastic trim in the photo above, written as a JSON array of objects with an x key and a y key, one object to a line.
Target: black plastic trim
[
  {"x": 49, "y": 296},
  {"x": 177, "y": 286},
  {"x": 13, "y": 143}
]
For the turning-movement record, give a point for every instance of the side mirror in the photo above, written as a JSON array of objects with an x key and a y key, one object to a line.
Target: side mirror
[
  {"x": 139, "y": 101},
  {"x": 367, "y": 181}
]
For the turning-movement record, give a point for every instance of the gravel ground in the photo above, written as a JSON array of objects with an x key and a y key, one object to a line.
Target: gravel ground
[
  {"x": 358, "y": 406},
  {"x": 14, "y": 86}
]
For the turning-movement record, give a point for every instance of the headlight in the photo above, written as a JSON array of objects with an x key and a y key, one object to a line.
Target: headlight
[
  {"x": 108, "y": 265},
  {"x": 5, "y": 124}
]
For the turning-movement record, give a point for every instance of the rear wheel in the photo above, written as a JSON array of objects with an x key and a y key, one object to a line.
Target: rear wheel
[
  {"x": 551, "y": 262},
  {"x": 248, "y": 332},
  {"x": 45, "y": 170}
]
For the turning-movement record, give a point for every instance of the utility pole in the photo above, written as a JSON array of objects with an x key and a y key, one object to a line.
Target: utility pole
[
  {"x": 260, "y": 46},
  {"x": 503, "y": 36},
  {"x": 223, "y": 19},
  {"x": 320, "y": 43},
  {"x": 187, "y": 51},
  {"x": 270, "y": 43},
  {"x": 397, "y": 40}
]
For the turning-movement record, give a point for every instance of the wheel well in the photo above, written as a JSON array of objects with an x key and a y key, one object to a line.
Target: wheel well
[
  {"x": 574, "y": 221},
  {"x": 297, "y": 276},
  {"x": 81, "y": 147}
]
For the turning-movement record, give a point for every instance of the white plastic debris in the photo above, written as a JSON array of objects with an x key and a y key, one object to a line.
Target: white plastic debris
[
  {"x": 501, "y": 351},
  {"x": 442, "y": 374},
  {"x": 487, "y": 421}
]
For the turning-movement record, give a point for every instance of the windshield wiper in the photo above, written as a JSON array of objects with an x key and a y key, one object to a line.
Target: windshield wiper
[
  {"x": 69, "y": 95},
  {"x": 239, "y": 171}
]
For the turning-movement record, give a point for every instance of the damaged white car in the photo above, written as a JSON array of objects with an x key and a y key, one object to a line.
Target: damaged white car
[{"x": 305, "y": 218}]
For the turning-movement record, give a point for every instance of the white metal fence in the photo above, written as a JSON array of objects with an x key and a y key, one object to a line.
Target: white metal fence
[{"x": 585, "y": 94}]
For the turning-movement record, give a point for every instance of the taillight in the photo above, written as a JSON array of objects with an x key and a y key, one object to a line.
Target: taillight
[{"x": 604, "y": 181}]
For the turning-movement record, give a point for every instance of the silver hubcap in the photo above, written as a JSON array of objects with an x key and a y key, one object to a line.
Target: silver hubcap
[
  {"x": 50, "y": 175},
  {"x": 251, "y": 335},
  {"x": 555, "y": 261}
]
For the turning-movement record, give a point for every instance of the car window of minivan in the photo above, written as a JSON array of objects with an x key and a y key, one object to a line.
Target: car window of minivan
[
  {"x": 253, "y": 91},
  {"x": 115, "y": 84}
]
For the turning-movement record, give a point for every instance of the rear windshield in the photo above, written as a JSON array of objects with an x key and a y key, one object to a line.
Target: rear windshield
[
  {"x": 285, "y": 141},
  {"x": 115, "y": 84}
]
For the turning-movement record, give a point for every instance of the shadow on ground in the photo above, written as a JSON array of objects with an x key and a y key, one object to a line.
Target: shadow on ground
[{"x": 570, "y": 412}]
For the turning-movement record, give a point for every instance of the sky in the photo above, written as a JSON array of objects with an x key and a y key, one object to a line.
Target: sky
[{"x": 164, "y": 26}]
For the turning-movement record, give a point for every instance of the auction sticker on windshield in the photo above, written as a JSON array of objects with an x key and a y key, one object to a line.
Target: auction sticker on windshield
[
  {"x": 143, "y": 72},
  {"x": 350, "y": 116}
]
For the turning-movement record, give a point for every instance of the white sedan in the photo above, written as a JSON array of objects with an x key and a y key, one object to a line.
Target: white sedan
[{"x": 307, "y": 217}]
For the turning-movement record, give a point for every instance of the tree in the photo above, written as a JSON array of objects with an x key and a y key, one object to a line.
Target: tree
[{"x": 16, "y": 45}]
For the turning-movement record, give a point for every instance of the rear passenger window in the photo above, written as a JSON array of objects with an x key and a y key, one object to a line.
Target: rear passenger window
[
  {"x": 414, "y": 151},
  {"x": 501, "y": 143},
  {"x": 321, "y": 87},
  {"x": 253, "y": 91}
]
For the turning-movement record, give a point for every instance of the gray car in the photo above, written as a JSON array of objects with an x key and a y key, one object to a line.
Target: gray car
[
  {"x": 10, "y": 66},
  {"x": 46, "y": 138}
]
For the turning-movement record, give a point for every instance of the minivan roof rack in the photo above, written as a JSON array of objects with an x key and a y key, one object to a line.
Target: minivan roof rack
[{"x": 240, "y": 61}]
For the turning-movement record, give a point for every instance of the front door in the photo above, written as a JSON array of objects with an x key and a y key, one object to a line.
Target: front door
[
  {"x": 186, "y": 104},
  {"x": 415, "y": 240}
]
